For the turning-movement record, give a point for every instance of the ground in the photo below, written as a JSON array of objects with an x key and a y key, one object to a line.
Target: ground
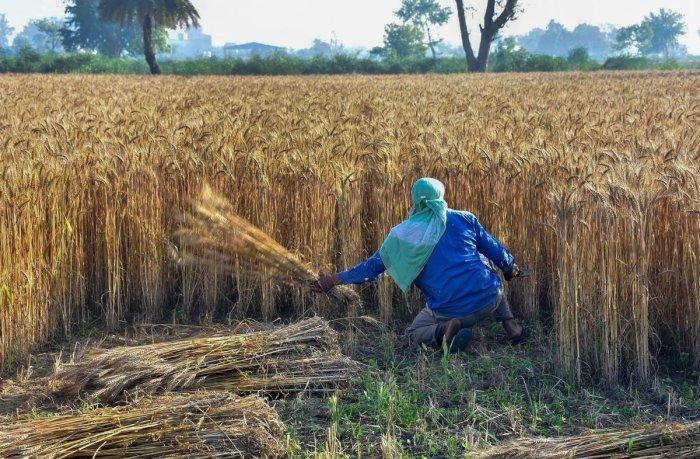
[
  {"x": 418, "y": 403},
  {"x": 429, "y": 404}
]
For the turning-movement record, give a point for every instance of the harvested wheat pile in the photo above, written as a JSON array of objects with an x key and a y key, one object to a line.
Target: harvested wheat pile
[
  {"x": 206, "y": 424},
  {"x": 301, "y": 356},
  {"x": 678, "y": 441}
]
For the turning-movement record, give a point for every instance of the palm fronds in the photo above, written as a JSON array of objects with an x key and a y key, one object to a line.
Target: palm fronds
[
  {"x": 167, "y": 13},
  {"x": 197, "y": 425},
  {"x": 302, "y": 356},
  {"x": 680, "y": 441},
  {"x": 213, "y": 234}
]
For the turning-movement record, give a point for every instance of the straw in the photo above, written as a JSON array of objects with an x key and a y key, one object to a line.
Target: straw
[
  {"x": 301, "y": 356},
  {"x": 679, "y": 440},
  {"x": 198, "y": 425}
]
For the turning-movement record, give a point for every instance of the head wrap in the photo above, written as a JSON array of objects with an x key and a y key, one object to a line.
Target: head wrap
[{"x": 406, "y": 249}]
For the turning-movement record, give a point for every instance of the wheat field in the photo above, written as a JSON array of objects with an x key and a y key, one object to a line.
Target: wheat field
[{"x": 590, "y": 179}]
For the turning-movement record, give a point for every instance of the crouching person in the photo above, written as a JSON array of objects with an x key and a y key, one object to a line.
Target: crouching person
[{"x": 441, "y": 251}]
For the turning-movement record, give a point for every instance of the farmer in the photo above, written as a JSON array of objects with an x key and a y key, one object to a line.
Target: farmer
[{"x": 440, "y": 251}]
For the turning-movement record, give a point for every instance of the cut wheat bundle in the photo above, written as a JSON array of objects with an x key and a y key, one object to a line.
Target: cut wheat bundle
[
  {"x": 680, "y": 441},
  {"x": 203, "y": 424},
  {"x": 213, "y": 234},
  {"x": 301, "y": 356}
]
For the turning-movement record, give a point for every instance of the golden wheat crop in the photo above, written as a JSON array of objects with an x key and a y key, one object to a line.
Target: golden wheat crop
[{"x": 591, "y": 180}]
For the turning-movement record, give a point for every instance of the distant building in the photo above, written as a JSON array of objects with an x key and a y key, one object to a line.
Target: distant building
[
  {"x": 248, "y": 50},
  {"x": 191, "y": 43}
]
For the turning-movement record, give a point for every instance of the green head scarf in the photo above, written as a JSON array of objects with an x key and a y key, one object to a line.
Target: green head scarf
[{"x": 408, "y": 246}]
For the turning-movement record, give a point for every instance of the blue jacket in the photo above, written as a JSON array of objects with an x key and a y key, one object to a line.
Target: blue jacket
[{"x": 455, "y": 281}]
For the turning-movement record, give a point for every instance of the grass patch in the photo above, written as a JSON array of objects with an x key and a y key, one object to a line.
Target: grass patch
[{"x": 426, "y": 403}]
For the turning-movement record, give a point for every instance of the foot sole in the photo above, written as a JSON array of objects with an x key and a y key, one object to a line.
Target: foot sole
[{"x": 521, "y": 338}]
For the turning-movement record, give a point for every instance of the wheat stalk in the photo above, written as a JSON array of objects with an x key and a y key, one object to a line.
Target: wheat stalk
[
  {"x": 198, "y": 425},
  {"x": 678, "y": 440},
  {"x": 301, "y": 356},
  {"x": 91, "y": 184}
]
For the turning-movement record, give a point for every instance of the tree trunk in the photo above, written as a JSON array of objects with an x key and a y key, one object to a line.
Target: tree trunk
[
  {"x": 148, "y": 49},
  {"x": 477, "y": 63},
  {"x": 484, "y": 50},
  {"x": 466, "y": 44},
  {"x": 431, "y": 45}
]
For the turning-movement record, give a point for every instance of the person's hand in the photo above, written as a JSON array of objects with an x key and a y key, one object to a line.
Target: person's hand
[
  {"x": 325, "y": 282},
  {"x": 513, "y": 273}
]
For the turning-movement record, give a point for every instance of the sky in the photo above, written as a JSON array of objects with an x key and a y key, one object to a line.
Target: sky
[{"x": 294, "y": 24}]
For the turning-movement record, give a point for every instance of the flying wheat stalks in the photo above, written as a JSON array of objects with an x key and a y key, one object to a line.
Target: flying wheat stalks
[{"x": 213, "y": 234}]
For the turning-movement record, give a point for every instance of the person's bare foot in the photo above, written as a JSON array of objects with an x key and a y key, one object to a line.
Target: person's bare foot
[
  {"x": 512, "y": 328},
  {"x": 448, "y": 330}
]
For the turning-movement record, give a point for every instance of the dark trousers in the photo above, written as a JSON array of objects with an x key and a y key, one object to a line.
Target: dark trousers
[{"x": 424, "y": 327}]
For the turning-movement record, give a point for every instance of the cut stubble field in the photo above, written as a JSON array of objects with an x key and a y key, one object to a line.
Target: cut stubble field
[
  {"x": 592, "y": 180},
  {"x": 399, "y": 403}
]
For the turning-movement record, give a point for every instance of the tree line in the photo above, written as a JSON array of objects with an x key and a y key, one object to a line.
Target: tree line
[
  {"x": 115, "y": 29},
  {"x": 655, "y": 37},
  {"x": 112, "y": 28}
]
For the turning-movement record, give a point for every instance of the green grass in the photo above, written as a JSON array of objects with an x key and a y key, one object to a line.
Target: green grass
[{"x": 432, "y": 404}]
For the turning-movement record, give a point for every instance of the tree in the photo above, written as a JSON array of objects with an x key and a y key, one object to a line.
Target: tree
[
  {"x": 532, "y": 41},
  {"x": 423, "y": 14},
  {"x": 579, "y": 59},
  {"x": 489, "y": 29},
  {"x": 41, "y": 35},
  {"x": 507, "y": 57},
  {"x": 666, "y": 27},
  {"x": 150, "y": 14},
  {"x": 635, "y": 38},
  {"x": 656, "y": 34},
  {"x": 402, "y": 41},
  {"x": 448, "y": 50},
  {"x": 5, "y": 32},
  {"x": 51, "y": 28},
  {"x": 319, "y": 48},
  {"x": 597, "y": 41},
  {"x": 556, "y": 40},
  {"x": 84, "y": 30},
  {"x": 160, "y": 42}
]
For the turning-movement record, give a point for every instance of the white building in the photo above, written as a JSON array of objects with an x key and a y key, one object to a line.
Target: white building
[{"x": 190, "y": 43}]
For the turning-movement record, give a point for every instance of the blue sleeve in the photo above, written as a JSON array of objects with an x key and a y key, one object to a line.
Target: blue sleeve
[
  {"x": 367, "y": 271},
  {"x": 494, "y": 251}
]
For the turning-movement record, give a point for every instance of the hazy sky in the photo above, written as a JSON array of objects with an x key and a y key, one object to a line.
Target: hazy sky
[{"x": 295, "y": 23}]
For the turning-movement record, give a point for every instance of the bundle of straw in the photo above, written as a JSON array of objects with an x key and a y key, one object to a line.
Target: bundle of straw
[
  {"x": 213, "y": 234},
  {"x": 199, "y": 425},
  {"x": 304, "y": 355},
  {"x": 680, "y": 441}
]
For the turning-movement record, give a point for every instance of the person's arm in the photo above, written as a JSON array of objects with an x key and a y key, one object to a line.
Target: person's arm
[
  {"x": 494, "y": 251},
  {"x": 366, "y": 271}
]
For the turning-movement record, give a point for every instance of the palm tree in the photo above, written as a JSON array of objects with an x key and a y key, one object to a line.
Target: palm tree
[{"x": 149, "y": 14}]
